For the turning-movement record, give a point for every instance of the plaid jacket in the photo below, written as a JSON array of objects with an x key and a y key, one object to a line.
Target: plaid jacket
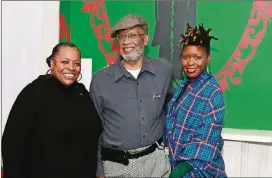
[{"x": 193, "y": 127}]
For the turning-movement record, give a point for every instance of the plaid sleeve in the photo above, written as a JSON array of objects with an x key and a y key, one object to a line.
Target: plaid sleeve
[{"x": 203, "y": 153}]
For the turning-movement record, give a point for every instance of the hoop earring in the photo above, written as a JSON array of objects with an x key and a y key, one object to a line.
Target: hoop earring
[
  {"x": 208, "y": 69},
  {"x": 80, "y": 77},
  {"x": 48, "y": 74}
]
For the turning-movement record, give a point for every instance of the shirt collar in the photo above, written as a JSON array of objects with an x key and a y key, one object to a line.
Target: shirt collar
[
  {"x": 148, "y": 65},
  {"x": 198, "y": 82},
  {"x": 120, "y": 70}
]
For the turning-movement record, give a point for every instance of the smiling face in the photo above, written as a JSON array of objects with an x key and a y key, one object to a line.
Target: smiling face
[
  {"x": 66, "y": 65},
  {"x": 132, "y": 42},
  {"x": 194, "y": 60}
]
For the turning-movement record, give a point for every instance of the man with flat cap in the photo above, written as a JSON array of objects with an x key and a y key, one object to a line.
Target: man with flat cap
[{"x": 130, "y": 96}]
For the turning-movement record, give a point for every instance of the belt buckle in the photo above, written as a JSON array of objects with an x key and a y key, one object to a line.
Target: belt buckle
[{"x": 160, "y": 147}]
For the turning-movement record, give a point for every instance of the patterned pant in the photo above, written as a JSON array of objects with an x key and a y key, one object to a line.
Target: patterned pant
[{"x": 155, "y": 164}]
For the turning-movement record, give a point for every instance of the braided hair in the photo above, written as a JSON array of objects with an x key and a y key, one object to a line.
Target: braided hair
[{"x": 197, "y": 36}]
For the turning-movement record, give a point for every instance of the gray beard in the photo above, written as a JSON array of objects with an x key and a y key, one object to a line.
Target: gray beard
[{"x": 135, "y": 55}]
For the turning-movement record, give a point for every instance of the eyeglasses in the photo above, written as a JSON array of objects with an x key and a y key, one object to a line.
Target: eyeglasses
[{"x": 130, "y": 36}]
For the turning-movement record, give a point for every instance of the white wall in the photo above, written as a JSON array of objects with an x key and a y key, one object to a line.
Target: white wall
[
  {"x": 29, "y": 32},
  {"x": 248, "y": 159},
  {"x": 1, "y": 66},
  {"x": 247, "y": 153}
]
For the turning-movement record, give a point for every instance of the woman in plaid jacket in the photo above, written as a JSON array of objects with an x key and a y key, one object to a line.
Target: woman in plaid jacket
[{"x": 195, "y": 113}]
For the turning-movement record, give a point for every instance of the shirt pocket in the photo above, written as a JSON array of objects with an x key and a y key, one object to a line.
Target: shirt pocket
[{"x": 157, "y": 103}]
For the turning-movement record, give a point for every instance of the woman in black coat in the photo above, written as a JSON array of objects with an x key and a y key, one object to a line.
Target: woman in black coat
[{"x": 53, "y": 127}]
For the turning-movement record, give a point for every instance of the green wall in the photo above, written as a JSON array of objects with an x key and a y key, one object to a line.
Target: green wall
[{"x": 248, "y": 103}]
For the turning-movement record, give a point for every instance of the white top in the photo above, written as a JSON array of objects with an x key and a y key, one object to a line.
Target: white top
[
  {"x": 261, "y": 136},
  {"x": 134, "y": 73}
]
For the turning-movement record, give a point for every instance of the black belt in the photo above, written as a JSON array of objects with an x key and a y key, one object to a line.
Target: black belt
[{"x": 122, "y": 157}]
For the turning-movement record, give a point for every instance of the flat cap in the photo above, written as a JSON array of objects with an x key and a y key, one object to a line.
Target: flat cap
[{"x": 128, "y": 22}]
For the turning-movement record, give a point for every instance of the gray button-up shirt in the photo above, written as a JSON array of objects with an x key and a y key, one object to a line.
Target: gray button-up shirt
[{"x": 131, "y": 109}]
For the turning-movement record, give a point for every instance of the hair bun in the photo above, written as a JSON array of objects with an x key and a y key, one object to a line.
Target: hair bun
[{"x": 48, "y": 60}]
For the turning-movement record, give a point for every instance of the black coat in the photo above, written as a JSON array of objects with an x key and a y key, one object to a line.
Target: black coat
[{"x": 52, "y": 132}]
